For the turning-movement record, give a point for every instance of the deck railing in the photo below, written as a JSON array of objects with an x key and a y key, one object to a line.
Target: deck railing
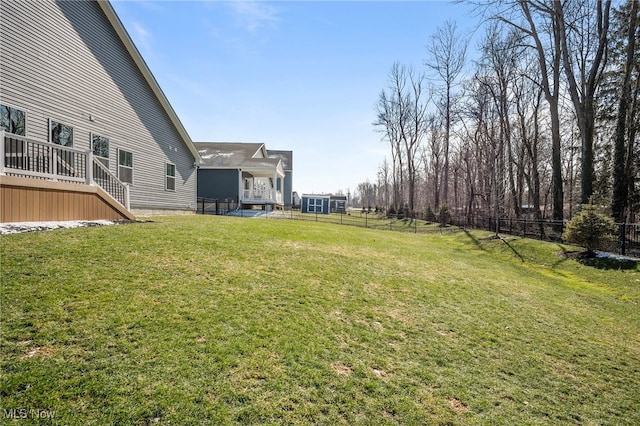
[
  {"x": 25, "y": 157},
  {"x": 266, "y": 195},
  {"x": 106, "y": 180}
]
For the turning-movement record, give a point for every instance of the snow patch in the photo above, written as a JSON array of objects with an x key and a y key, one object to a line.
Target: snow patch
[
  {"x": 605, "y": 255},
  {"x": 19, "y": 227}
]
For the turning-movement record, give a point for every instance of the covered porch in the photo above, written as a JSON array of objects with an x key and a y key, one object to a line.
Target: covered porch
[{"x": 261, "y": 183}]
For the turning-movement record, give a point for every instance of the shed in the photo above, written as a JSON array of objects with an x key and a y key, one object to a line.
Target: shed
[{"x": 313, "y": 203}]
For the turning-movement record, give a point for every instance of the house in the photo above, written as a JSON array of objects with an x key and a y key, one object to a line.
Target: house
[
  {"x": 243, "y": 172},
  {"x": 87, "y": 133},
  {"x": 296, "y": 200},
  {"x": 313, "y": 203},
  {"x": 287, "y": 165},
  {"x": 338, "y": 203}
]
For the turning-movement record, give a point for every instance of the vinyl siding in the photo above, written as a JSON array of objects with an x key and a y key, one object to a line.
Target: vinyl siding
[
  {"x": 288, "y": 188},
  {"x": 64, "y": 61}
]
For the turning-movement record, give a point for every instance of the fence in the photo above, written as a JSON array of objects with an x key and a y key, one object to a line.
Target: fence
[
  {"x": 627, "y": 241},
  {"x": 215, "y": 207}
]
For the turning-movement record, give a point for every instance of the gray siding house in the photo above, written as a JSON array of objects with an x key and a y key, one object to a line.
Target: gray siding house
[
  {"x": 287, "y": 164},
  {"x": 245, "y": 173},
  {"x": 72, "y": 80}
]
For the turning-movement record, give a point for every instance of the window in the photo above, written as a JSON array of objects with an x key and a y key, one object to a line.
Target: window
[
  {"x": 125, "y": 166},
  {"x": 60, "y": 134},
  {"x": 100, "y": 148},
  {"x": 314, "y": 205},
  {"x": 13, "y": 120},
  {"x": 170, "y": 180}
]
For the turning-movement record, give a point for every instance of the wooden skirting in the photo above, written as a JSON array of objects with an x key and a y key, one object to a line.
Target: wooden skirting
[{"x": 35, "y": 200}]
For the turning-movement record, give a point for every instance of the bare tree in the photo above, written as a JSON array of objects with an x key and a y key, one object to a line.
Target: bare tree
[
  {"x": 401, "y": 113},
  {"x": 583, "y": 44},
  {"x": 539, "y": 22},
  {"x": 622, "y": 166},
  {"x": 447, "y": 54}
]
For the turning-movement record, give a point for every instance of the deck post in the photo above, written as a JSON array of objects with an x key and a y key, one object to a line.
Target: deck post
[
  {"x": 89, "y": 170},
  {"x": 126, "y": 196},
  {"x": 54, "y": 163},
  {"x": 2, "y": 157}
]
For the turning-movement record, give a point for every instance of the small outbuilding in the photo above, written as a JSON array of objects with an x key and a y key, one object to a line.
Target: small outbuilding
[
  {"x": 313, "y": 203},
  {"x": 338, "y": 204}
]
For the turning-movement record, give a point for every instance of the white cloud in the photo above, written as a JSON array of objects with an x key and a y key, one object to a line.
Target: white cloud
[
  {"x": 141, "y": 36},
  {"x": 253, "y": 15}
]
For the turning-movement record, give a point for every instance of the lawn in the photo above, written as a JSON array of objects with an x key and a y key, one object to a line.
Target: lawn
[{"x": 214, "y": 320}]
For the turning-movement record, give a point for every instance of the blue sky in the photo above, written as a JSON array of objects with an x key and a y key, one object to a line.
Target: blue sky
[{"x": 301, "y": 75}]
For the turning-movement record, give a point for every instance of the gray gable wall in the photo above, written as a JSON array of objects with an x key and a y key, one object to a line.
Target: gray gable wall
[{"x": 64, "y": 60}]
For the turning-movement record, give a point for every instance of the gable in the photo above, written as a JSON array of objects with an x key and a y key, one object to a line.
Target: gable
[{"x": 72, "y": 62}]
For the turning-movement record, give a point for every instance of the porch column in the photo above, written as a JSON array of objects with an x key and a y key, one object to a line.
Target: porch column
[
  {"x": 240, "y": 187},
  {"x": 274, "y": 191}
]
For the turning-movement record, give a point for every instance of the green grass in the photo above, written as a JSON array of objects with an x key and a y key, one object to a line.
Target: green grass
[
  {"x": 214, "y": 320},
  {"x": 372, "y": 220}
]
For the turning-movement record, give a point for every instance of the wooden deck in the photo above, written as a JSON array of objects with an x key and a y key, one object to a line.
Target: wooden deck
[{"x": 37, "y": 200}]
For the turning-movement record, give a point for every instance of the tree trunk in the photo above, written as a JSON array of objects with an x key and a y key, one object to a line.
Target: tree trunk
[{"x": 620, "y": 175}]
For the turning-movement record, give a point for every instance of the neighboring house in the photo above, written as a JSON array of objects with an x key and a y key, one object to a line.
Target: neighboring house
[
  {"x": 296, "y": 200},
  {"x": 287, "y": 164},
  {"x": 338, "y": 203},
  {"x": 313, "y": 203},
  {"x": 242, "y": 172},
  {"x": 84, "y": 116}
]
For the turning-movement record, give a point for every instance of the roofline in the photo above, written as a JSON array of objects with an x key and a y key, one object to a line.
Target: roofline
[
  {"x": 248, "y": 169},
  {"x": 116, "y": 23}
]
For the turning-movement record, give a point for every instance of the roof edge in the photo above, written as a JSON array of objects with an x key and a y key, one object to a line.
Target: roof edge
[{"x": 117, "y": 25}]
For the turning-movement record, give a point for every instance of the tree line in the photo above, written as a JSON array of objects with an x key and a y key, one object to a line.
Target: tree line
[{"x": 543, "y": 120}]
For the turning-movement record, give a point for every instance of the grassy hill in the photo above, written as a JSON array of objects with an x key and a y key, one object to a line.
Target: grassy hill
[{"x": 213, "y": 320}]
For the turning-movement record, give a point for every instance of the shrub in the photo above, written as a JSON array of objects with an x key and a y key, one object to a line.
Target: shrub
[
  {"x": 444, "y": 216},
  {"x": 430, "y": 215},
  {"x": 590, "y": 229}
]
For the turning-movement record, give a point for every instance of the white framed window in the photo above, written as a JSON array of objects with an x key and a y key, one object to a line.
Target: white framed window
[
  {"x": 314, "y": 205},
  {"x": 170, "y": 178},
  {"x": 60, "y": 134},
  {"x": 125, "y": 166},
  {"x": 13, "y": 120},
  {"x": 100, "y": 148}
]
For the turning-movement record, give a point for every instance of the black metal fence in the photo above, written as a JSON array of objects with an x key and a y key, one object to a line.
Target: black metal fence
[
  {"x": 627, "y": 242},
  {"x": 216, "y": 207}
]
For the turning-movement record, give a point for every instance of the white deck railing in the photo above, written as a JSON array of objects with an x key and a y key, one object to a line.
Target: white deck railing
[
  {"x": 25, "y": 157},
  {"x": 264, "y": 196}
]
